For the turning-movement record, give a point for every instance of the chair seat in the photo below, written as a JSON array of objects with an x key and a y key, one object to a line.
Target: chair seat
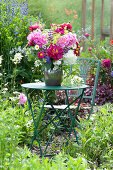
[{"x": 61, "y": 107}]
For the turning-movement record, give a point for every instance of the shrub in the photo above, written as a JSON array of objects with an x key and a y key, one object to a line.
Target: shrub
[{"x": 14, "y": 24}]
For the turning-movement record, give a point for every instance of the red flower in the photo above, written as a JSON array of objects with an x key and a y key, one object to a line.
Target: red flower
[
  {"x": 78, "y": 46},
  {"x": 61, "y": 30},
  {"x": 106, "y": 63},
  {"x": 77, "y": 52},
  {"x": 111, "y": 42},
  {"x": 34, "y": 27},
  {"x": 55, "y": 52},
  {"x": 69, "y": 26}
]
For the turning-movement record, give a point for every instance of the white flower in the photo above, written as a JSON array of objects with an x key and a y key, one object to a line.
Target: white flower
[
  {"x": 0, "y": 74},
  {"x": 81, "y": 48},
  {"x": 13, "y": 98},
  {"x": 4, "y": 89},
  {"x": 36, "y": 47},
  {"x": 16, "y": 92},
  {"x": 74, "y": 46},
  {"x": 36, "y": 63},
  {"x": 17, "y": 58},
  {"x": 69, "y": 58},
  {"x": 28, "y": 124},
  {"x": 78, "y": 80},
  {"x": 58, "y": 62},
  {"x": 1, "y": 60}
]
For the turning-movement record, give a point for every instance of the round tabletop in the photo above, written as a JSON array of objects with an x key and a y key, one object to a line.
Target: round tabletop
[{"x": 42, "y": 86}]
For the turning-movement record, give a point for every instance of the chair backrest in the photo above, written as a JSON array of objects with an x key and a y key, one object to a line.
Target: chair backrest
[{"x": 88, "y": 67}]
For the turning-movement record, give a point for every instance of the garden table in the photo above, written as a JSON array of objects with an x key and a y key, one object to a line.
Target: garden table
[{"x": 58, "y": 115}]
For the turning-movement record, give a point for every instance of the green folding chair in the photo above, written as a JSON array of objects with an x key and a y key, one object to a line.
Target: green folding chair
[{"x": 87, "y": 67}]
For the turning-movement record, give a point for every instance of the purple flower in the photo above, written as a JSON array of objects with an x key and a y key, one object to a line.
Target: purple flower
[
  {"x": 48, "y": 60},
  {"x": 40, "y": 100},
  {"x": 112, "y": 74}
]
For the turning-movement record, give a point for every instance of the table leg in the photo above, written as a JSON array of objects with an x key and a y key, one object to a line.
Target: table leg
[
  {"x": 70, "y": 113},
  {"x": 36, "y": 126}
]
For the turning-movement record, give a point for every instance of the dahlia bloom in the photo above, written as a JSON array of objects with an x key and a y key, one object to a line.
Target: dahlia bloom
[
  {"x": 22, "y": 98},
  {"x": 55, "y": 52},
  {"x": 77, "y": 52},
  {"x": 41, "y": 54},
  {"x": 106, "y": 63}
]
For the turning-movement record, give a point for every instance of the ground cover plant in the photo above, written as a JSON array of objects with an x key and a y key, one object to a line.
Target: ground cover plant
[{"x": 16, "y": 130}]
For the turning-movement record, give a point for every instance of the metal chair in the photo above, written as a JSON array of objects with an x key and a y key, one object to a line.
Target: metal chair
[{"x": 87, "y": 67}]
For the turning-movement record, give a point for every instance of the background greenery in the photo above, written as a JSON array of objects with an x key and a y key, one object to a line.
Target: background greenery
[{"x": 54, "y": 11}]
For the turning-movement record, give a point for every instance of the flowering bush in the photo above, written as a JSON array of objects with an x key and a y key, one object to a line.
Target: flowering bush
[
  {"x": 14, "y": 24},
  {"x": 54, "y": 47}
]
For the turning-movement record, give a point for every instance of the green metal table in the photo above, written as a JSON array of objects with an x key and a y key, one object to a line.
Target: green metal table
[{"x": 58, "y": 115}]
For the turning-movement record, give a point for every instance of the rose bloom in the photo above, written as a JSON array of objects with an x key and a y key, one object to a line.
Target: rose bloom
[
  {"x": 106, "y": 63},
  {"x": 22, "y": 98}
]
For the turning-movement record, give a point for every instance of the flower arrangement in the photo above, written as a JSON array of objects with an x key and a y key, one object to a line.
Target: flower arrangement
[{"x": 54, "y": 47}]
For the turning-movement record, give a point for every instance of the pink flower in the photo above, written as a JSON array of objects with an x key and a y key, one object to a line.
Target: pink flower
[
  {"x": 41, "y": 54},
  {"x": 106, "y": 63},
  {"x": 89, "y": 49},
  {"x": 67, "y": 40},
  {"x": 87, "y": 35},
  {"x": 37, "y": 38},
  {"x": 55, "y": 52},
  {"x": 22, "y": 98}
]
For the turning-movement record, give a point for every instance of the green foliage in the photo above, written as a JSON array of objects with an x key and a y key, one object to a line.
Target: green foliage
[
  {"x": 14, "y": 29},
  {"x": 96, "y": 138},
  {"x": 17, "y": 129}
]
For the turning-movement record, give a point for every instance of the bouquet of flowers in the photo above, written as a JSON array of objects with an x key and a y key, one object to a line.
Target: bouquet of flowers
[{"x": 54, "y": 47}]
